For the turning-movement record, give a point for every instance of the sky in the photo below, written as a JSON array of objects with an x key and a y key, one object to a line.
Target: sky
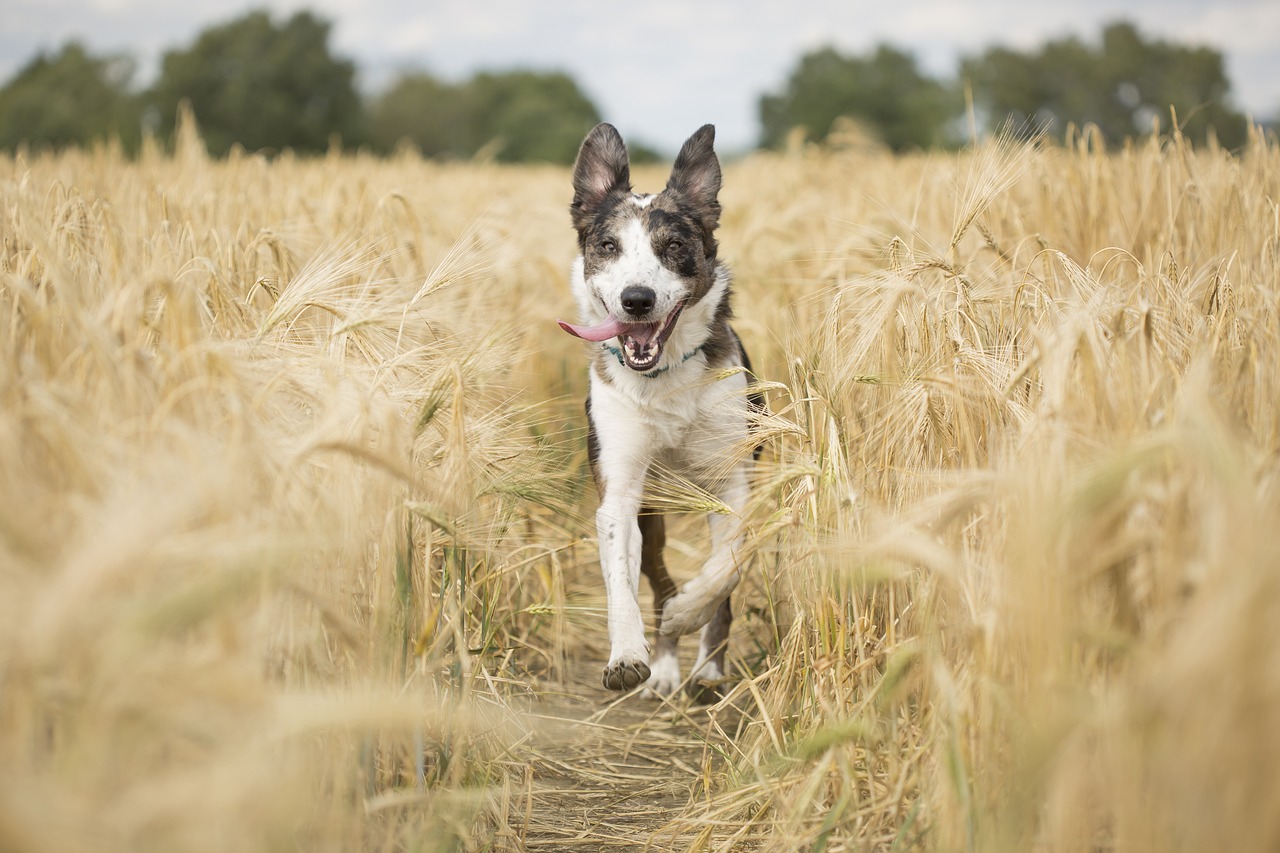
[{"x": 659, "y": 69}]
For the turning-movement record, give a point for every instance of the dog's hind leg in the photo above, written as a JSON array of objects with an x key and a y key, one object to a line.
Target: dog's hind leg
[
  {"x": 709, "y": 669},
  {"x": 698, "y": 601},
  {"x": 664, "y": 666}
]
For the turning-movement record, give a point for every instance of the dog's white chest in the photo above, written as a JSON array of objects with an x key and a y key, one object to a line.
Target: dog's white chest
[{"x": 687, "y": 428}]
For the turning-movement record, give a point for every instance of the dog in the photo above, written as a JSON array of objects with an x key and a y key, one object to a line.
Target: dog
[{"x": 669, "y": 389}]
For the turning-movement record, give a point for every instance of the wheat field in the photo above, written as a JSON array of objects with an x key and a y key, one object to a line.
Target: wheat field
[{"x": 295, "y": 538}]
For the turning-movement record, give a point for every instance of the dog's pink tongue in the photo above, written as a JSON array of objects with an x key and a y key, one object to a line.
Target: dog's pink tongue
[{"x": 610, "y": 328}]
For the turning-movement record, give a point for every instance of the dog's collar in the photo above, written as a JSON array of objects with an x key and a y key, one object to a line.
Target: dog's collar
[{"x": 617, "y": 353}]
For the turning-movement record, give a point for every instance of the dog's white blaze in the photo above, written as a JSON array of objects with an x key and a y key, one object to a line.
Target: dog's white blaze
[{"x": 636, "y": 264}]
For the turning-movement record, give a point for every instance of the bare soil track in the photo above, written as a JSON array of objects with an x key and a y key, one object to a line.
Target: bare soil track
[{"x": 608, "y": 772}]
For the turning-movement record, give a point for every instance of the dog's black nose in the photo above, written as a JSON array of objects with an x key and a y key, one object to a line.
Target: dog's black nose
[{"x": 638, "y": 301}]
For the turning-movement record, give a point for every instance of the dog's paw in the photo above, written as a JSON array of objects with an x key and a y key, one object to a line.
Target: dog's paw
[
  {"x": 704, "y": 692},
  {"x": 706, "y": 685},
  {"x": 685, "y": 613},
  {"x": 664, "y": 679},
  {"x": 625, "y": 673}
]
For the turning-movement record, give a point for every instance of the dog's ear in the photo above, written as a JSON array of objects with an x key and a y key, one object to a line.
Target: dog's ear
[
  {"x": 601, "y": 169},
  {"x": 696, "y": 175}
]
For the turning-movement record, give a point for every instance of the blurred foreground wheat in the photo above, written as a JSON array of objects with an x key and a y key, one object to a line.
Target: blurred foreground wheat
[{"x": 292, "y": 501}]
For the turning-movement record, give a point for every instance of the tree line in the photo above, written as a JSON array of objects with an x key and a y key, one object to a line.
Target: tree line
[
  {"x": 263, "y": 84},
  {"x": 1125, "y": 85}
]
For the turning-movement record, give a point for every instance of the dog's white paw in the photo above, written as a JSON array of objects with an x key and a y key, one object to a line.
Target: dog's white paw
[
  {"x": 686, "y": 612},
  {"x": 664, "y": 678},
  {"x": 707, "y": 670},
  {"x": 625, "y": 672},
  {"x": 707, "y": 683}
]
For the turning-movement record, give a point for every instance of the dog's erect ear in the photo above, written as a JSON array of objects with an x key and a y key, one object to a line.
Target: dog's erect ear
[
  {"x": 696, "y": 174},
  {"x": 602, "y": 168}
]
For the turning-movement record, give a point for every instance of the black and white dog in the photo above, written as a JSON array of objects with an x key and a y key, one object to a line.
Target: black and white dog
[{"x": 664, "y": 395}]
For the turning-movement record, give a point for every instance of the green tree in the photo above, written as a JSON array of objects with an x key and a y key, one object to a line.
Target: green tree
[
  {"x": 1122, "y": 84},
  {"x": 262, "y": 85},
  {"x": 422, "y": 110},
  {"x": 884, "y": 91},
  {"x": 70, "y": 98},
  {"x": 519, "y": 115}
]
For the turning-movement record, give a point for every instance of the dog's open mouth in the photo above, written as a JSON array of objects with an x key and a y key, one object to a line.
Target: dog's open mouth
[{"x": 641, "y": 342}]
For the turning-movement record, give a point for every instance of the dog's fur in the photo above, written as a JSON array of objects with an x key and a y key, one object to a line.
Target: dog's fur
[{"x": 648, "y": 271}]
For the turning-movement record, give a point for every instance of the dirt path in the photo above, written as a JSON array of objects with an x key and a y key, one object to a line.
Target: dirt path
[{"x": 605, "y": 772}]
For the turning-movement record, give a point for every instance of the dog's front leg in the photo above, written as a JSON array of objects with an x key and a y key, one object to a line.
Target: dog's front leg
[
  {"x": 620, "y": 543},
  {"x": 620, "y": 457}
]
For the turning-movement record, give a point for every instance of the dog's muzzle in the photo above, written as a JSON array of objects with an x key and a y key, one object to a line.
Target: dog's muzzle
[{"x": 641, "y": 342}]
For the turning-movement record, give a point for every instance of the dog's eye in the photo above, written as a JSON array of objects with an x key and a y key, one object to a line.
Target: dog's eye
[
  {"x": 608, "y": 247},
  {"x": 675, "y": 246}
]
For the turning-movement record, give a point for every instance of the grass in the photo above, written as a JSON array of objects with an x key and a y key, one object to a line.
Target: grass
[{"x": 295, "y": 541}]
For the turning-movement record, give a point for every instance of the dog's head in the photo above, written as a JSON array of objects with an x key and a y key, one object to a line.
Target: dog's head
[{"x": 645, "y": 258}]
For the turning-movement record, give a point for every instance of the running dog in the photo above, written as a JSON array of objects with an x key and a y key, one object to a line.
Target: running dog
[{"x": 668, "y": 392}]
